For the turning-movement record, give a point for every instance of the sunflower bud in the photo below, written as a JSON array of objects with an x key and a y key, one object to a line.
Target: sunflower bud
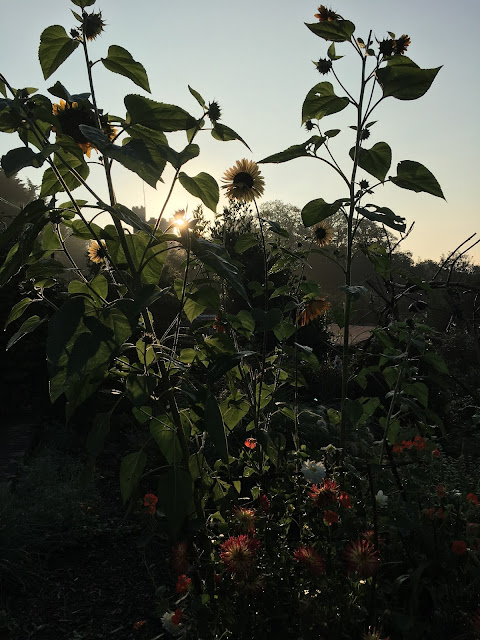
[
  {"x": 92, "y": 25},
  {"x": 365, "y": 134},
  {"x": 214, "y": 112},
  {"x": 387, "y": 47},
  {"x": 324, "y": 66}
]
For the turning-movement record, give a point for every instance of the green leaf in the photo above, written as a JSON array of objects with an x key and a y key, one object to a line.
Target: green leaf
[
  {"x": 27, "y": 327},
  {"x": 415, "y": 177},
  {"x": 98, "y": 433},
  {"x": 17, "y": 159},
  {"x": 202, "y": 186},
  {"x": 60, "y": 91},
  {"x": 333, "y": 31},
  {"x": 331, "y": 53},
  {"x": 143, "y": 158},
  {"x": 216, "y": 258},
  {"x": 55, "y": 47},
  {"x": 225, "y": 363},
  {"x": 405, "y": 81},
  {"x": 120, "y": 212},
  {"x": 224, "y": 133},
  {"x": 274, "y": 227},
  {"x": 213, "y": 425},
  {"x": 384, "y": 215},
  {"x": 18, "y": 310},
  {"x": 149, "y": 261},
  {"x": 321, "y": 101},
  {"x": 284, "y": 330},
  {"x": 295, "y": 151},
  {"x": 131, "y": 469},
  {"x": 419, "y": 390},
  {"x": 46, "y": 268},
  {"x": 3, "y": 89},
  {"x": 157, "y": 115},
  {"x": 246, "y": 241},
  {"x": 177, "y": 159},
  {"x": 197, "y": 97},
  {"x": 331, "y": 133},
  {"x": 50, "y": 184},
  {"x": 175, "y": 495},
  {"x": 29, "y": 222},
  {"x": 119, "y": 60},
  {"x": 164, "y": 433},
  {"x": 375, "y": 161},
  {"x": 83, "y": 3},
  {"x": 267, "y": 320},
  {"x": 436, "y": 361},
  {"x": 317, "y": 210}
]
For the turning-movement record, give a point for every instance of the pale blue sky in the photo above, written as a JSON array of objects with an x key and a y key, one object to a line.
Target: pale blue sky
[{"x": 254, "y": 57}]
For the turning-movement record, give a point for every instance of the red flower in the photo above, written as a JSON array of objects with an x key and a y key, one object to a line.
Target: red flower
[
  {"x": 419, "y": 442},
  {"x": 407, "y": 444},
  {"x": 471, "y": 497},
  {"x": 362, "y": 558},
  {"x": 345, "y": 500},
  {"x": 398, "y": 448},
  {"x": 180, "y": 558},
  {"x": 264, "y": 503},
  {"x": 326, "y": 492},
  {"x": 250, "y": 443},
  {"x": 218, "y": 325},
  {"x": 440, "y": 490},
  {"x": 245, "y": 518},
  {"x": 238, "y": 553},
  {"x": 150, "y": 501},
  {"x": 434, "y": 514},
  {"x": 183, "y": 584},
  {"x": 330, "y": 517},
  {"x": 177, "y": 617},
  {"x": 138, "y": 625},
  {"x": 311, "y": 559},
  {"x": 459, "y": 547},
  {"x": 436, "y": 453}
]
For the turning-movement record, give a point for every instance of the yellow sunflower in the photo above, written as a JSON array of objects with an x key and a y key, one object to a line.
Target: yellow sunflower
[
  {"x": 322, "y": 233},
  {"x": 71, "y": 115},
  {"x": 244, "y": 181},
  {"x": 313, "y": 309},
  {"x": 326, "y": 15},
  {"x": 96, "y": 251}
]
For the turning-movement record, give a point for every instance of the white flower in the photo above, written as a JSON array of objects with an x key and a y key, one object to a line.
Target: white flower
[
  {"x": 313, "y": 471},
  {"x": 382, "y": 499},
  {"x": 172, "y": 628}
]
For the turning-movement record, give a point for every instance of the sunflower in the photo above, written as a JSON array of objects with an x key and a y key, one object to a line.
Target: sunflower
[
  {"x": 313, "y": 309},
  {"x": 71, "y": 115},
  {"x": 401, "y": 44},
  {"x": 244, "y": 181},
  {"x": 93, "y": 25},
  {"x": 96, "y": 251},
  {"x": 322, "y": 233},
  {"x": 326, "y": 15},
  {"x": 214, "y": 112}
]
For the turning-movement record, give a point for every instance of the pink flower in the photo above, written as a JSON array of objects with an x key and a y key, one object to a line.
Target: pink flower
[
  {"x": 264, "y": 503},
  {"x": 238, "y": 553}
]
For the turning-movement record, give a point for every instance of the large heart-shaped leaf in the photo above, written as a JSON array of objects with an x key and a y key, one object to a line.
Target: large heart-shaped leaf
[
  {"x": 119, "y": 60},
  {"x": 202, "y": 186},
  {"x": 375, "y": 161},
  {"x": 55, "y": 47},
  {"x": 321, "y": 101},
  {"x": 317, "y": 210},
  {"x": 415, "y": 177},
  {"x": 333, "y": 30}
]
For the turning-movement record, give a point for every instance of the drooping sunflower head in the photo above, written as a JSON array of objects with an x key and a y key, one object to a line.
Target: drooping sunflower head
[
  {"x": 93, "y": 25},
  {"x": 96, "y": 251},
  {"x": 244, "y": 181},
  {"x": 326, "y": 15},
  {"x": 387, "y": 47},
  {"x": 401, "y": 44},
  {"x": 71, "y": 115},
  {"x": 312, "y": 310},
  {"x": 322, "y": 233}
]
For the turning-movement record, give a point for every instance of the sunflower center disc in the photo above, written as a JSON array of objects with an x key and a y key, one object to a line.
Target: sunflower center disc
[{"x": 243, "y": 179}]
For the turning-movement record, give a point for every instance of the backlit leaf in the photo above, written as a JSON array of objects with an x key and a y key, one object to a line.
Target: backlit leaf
[
  {"x": 55, "y": 47},
  {"x": 415, "y": 177},
  {"x": 202, "y": 186},
  {"x": 119, "y": 60},
  {"x": 333, "y": 31},
  {"x": 321, "y": 101},
  {"x": 375, "y": 161}
]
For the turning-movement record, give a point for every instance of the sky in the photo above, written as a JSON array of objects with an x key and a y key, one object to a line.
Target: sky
[{"x": 255, "y": 59}]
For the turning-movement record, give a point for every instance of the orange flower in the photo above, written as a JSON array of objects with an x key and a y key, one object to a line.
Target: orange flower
[
  {"x": 330, "y": 517},
  {"x": 313, "y": 309},
  {"x": 250, "y": 443},
  {"x": 311, "y": 559},
  {"x": 238, "y": 553},
  {"x": 139, "y": 625},
  {"x": 471, "y": 497},
  {"x": 183, "y": 584},
  {"x": 150, "y": 501},
  {"x": 362, "y": 558},
  {"x": 345, "y": 500},
  {"x": 245, "y": 518},
  {"x": 459, "y": 547},
  {"x": 326, "y": 492}
]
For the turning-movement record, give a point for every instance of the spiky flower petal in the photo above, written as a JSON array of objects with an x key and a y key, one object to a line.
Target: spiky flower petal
[
  {"x": 96, "y": 251},
  {"x": 238, "y": 553},
  {"x": 309, "y": 557},
  {"x": 362, "y": 558},
  {"x": 326, "y": 15},
  {"x": 322, "y": 233}
]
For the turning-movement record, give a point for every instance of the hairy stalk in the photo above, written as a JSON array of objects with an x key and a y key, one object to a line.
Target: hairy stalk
[
  {"x": 348, "y": 266},
  {"x": 265, "y": 303}
]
